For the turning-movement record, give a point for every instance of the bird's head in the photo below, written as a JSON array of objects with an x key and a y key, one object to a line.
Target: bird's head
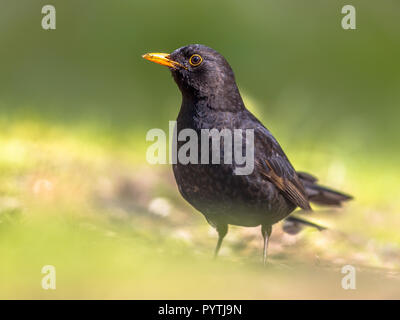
[{"x": 199, "y": 71}]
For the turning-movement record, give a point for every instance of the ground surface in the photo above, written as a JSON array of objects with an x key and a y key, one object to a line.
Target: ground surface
[{"x": 115, "y": 227}]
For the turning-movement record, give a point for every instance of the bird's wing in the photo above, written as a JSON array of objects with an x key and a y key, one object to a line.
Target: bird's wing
[{"x": 273, "y": 164}]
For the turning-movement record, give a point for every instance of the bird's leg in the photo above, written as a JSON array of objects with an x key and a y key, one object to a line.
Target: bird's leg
[
  {"x": 266, "y": 232},
  {"x": 222, "y": 230}
]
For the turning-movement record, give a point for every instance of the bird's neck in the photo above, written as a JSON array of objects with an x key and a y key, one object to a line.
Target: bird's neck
[{"x": 218, "y": 101}]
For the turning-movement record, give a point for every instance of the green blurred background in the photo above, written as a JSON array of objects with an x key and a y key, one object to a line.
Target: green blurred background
[{"x": 75, "y": 188}]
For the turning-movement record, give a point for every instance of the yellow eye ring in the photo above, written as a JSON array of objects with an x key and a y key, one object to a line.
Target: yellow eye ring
[{"x": 195, "y": 60}]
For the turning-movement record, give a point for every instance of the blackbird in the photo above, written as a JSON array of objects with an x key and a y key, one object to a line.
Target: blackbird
[{"x": 211, "y": 100}]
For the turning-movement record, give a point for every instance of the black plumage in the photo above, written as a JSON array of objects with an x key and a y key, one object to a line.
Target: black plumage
[{"x": 211, "y": 99}]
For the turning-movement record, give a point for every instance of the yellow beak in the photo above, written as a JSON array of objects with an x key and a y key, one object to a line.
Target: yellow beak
[{"x": 163, "y": 59}]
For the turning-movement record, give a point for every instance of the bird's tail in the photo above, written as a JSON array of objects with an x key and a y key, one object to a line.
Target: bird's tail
[
  {"x": 322, "y": 195},
  {"x": 316, "y": 194}
]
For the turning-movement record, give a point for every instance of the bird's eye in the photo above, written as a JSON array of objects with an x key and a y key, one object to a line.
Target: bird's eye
[{"x": 195, "y": 60}]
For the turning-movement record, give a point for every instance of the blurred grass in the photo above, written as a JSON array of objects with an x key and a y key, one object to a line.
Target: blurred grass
[{"x": 76, "y": 192}]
